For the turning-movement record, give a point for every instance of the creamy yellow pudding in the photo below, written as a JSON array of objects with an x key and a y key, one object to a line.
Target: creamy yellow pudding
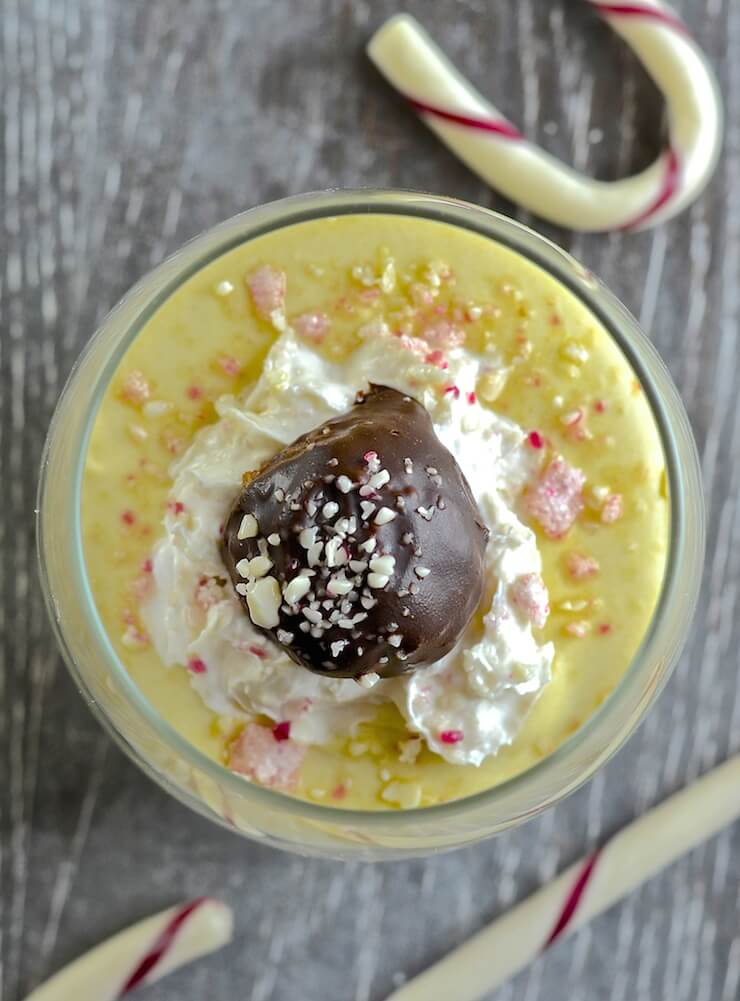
[{"x": 372, "y": 295}]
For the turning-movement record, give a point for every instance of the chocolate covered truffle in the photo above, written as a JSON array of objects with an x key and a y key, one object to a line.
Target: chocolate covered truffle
[{"x": 360, "y": 547}]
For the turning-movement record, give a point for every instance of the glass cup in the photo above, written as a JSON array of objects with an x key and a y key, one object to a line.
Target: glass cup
[{"x": 270, "y": 816}]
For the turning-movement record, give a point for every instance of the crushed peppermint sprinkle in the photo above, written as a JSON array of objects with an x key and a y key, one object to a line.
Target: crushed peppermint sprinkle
[
  {"x": 296, "y": 589},
  {"x": 579, "y": 629},
  {"x": 338, "y": 646},
  {"x": 229, "y": 364},
  {"x": 373, "y": 461},
  {"x": 330, "y": 509},
  {"x": 395, "y": 639},
  {"x": 529, "y": 594},
  {"x": 441, "y": 333},
  {"x": 471, "y": 398},
  {"x": 383, "y": 564},
  {"x": 366, "y": 509},
  {"x": 453, "y": 391},
  {"x": 312, "y": 326},
  {"x": 268, "y": 760},
  {"x": 425, "y": 513},
  {"x": 369, "y": 545},
  {"x": 384, "y": 515},
  {"x": 422, "y": 571},
  {"x": 451, "y": 736},
  {"x": 581, "y": 566},
  {"x": 155, "y": 408},
  {"x": 369, "y": 680},
  {"x": 556, "y": 499},
  {"x": 135, "y": 388},
  {"x": 268, "y": 288},
  {"x": 285, "y": 637},
  {"x": 307, "y": 538},
  {"x": 612, "y": 509},
  {"x": 408, "y": 466},
  {"x": 379, "y": 479},
  {"x": 224, "y": 288},
  {"x": 344, "y": 484},
  {"x": 194, "y": 392},
  {"x": 377, "y": 581},
  {"x": 535, "y": 439},
  {"x": 572, "y": 418},
  {"x": 197, "y": 666},
  {"x": 338, "y": 586},
  {"x": 128, "y": 517},
  {"x": 248, "y": 528},
  {"x": 134, "y": 638},
  {"x": 281, "y": 731},
  {"x": 274, "y": 539}
]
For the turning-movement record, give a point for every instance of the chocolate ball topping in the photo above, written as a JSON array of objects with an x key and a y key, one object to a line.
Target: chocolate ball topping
[{"x": 360, "y": 547}]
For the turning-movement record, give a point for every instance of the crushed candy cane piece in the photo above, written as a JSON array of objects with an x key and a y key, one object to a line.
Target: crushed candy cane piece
[
  {"x": 268, "y": 288},
  {"x": 579, "y": 629},
  {"x": 451, "y": 736},
  {"x": 535, "y": 439},
  {"x": 404, "y": 794},
  {"x": 312, "y": 326},
  {"x": 229, "y": 365},
  {"x": 409, "y": 750},
  {"x": 260, "y": 757},
  {"x": 529, "y": 594},
  {"x": 197, "y": 666},
  {"x": 128, "y": 517},
  {"x": 281, "y": 731},
  {"x": 442, "y": 333},
  {"x": 556, "y": 498},
  {"x": 135, "y": 388},
  {"x": 612, "y": 510},
  {"x": 134, "y": 638},
  {"x": 581, "y": 566}
]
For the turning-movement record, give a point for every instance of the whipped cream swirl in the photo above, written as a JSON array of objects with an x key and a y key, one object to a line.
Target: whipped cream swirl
[{"x": 467, "y": 705}]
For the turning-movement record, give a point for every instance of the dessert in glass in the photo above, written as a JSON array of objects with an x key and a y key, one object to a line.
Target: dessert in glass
[{"x": 370, "y": 523}]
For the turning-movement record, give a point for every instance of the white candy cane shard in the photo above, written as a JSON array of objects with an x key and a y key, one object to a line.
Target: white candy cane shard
[
  {"x": 478, "y": 133},
  {"x": 143, "y": 953}
]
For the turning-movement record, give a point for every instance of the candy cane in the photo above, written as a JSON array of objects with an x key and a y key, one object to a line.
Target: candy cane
[
  {"x": 584, "y": 890},
  {"x": 489, "y": 144},
  {"x": 142, "y": 953}
]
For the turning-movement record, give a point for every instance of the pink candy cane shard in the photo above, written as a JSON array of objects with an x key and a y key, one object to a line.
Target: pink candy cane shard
[
  {"x": 143, "y": 953},
  {"x": 268, "y": 288},
  {"x": 556, "y": 498},
  {"x": 273, "y": 762},
  {"x": 529, "y": 594},
  {"x": 481, "y": 136}
]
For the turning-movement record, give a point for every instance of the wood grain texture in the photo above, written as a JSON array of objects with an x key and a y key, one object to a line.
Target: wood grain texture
[{"x": 129, "y": 127}]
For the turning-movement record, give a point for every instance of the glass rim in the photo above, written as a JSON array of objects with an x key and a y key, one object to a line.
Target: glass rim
[{"x": 681, "y": 461}]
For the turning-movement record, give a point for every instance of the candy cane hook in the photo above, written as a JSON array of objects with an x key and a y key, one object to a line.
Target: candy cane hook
[{"x": 478, "y": 133}]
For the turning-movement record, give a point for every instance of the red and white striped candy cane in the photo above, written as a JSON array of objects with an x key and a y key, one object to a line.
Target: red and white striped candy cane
[
  {"x": 584, "y": 890},
  {"x": 479, "y": 134},
  {"x": 143, "y": 953}
]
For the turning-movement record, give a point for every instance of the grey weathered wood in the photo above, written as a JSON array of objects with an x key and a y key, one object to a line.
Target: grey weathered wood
[{"x": 128, "y": 127}]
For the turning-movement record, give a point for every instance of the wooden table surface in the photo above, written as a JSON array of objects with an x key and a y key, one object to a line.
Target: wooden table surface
[{"x": 128, "y": 127}]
